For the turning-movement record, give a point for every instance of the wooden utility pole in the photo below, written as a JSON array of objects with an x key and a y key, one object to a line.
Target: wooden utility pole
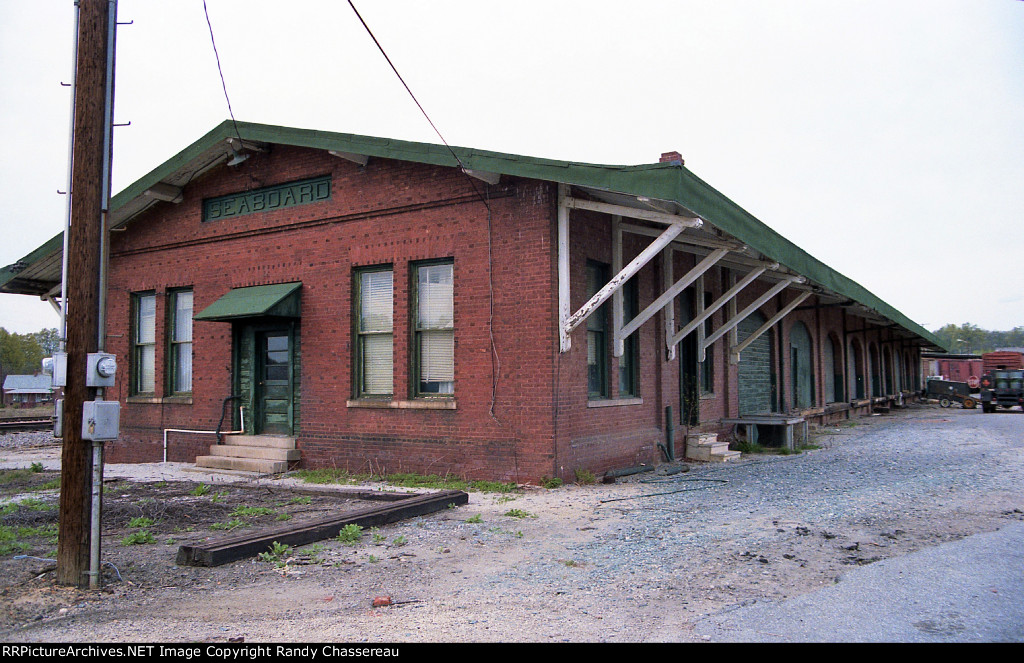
[{"x": 82, "y": 281}]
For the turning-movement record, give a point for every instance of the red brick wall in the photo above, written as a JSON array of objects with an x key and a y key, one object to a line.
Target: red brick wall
[
  {"x": 522, "y": 409},
  {"x": 388, "y": 212}
]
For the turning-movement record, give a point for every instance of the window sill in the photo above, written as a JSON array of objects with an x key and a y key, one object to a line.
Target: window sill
[
  {"x": 158, "y": 400},
  {"x": 613, "y": 402},
  {"x": 424, "y": 404}
]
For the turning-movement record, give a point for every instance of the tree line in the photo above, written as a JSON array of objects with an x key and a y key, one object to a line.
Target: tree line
[
  {"x": 22, "y": 354},
  {"x": 972, "y": 339}
]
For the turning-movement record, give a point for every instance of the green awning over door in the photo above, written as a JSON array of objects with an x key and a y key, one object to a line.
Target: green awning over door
[{"x": 258, "y": 301}]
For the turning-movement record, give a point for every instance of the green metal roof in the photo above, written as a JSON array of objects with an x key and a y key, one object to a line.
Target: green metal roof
[
  {"x": 663, "y": 181},
  {"x": 280, "y": 300}
]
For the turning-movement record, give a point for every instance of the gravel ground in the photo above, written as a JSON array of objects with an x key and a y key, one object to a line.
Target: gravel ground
[{"x": 647, "y": 559}]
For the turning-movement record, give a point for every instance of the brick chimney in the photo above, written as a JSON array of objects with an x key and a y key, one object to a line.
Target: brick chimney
[{"x": 671, "y": 157}]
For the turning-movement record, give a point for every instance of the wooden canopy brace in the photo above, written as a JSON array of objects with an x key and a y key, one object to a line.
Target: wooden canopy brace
[
  {"x": 631, "y": 212},
  {"x": 718, "y": 303},
  {"x": 737, "y": 318},
  {"x": 665, "y": 300},
  {"x": 737, "y": 349},
  {"x": 567, "y": 322}
]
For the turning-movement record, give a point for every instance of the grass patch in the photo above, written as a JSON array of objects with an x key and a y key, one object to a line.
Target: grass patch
[
  {"x": 276, "y": 554},
  {"x": 405, "y": 480},
  {"x": 519, "y": 513},
  {"x": 143, "y": 536},
  {"x": 350, "y": 534},
  {"x": 200, "y": 490},
  {"x": 584, "y": 477},
  {"x": 12, "y": 539},
  {"x": 30, "y": 503},
  {"x": 252, "y": 511},
  {"x": 323, "y": 475},
  {"x": 234, "y": 523},
  {"x": 14, "y": 476},
  {"x": 478, "y": 518},
  {"x": 52, "y": 484}
]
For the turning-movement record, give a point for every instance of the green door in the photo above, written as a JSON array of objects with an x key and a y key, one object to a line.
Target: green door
[
  {"x": 754, "y": 373},
  {"x": 274, "y": 384}
]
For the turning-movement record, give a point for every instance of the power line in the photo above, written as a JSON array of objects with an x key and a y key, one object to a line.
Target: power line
[
  {"x": 416, "y": 101},
  {"x": 223, "y": 84}
]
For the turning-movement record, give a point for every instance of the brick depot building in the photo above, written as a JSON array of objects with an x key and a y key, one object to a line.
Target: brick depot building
[{"x": 380, "y": 306}]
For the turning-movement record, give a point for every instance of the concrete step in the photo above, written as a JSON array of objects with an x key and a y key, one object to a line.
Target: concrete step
[
  {"x": 243, "y": 464},
  {"x": 262, "y": 453},
  {"x": 274, "y": 441},
  {"x": 707, "y": 447},
  {"x": 266, "y": 454}
]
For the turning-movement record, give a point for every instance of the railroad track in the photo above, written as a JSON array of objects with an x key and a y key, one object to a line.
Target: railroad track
[{"x": 14, "y": 424}]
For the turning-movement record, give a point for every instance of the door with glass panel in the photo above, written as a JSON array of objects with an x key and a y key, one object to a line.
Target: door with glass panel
[{"x": 274, "y": 386}]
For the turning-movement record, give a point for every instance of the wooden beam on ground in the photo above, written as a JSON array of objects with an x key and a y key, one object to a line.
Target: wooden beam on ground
[{"x": 230, "y": 549}]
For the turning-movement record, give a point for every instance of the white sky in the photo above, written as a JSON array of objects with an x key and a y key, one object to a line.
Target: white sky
[{"x": 884, "y": 137}]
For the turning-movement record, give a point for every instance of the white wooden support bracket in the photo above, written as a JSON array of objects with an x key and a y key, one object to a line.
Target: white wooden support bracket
[
  {"x": 564, "y": 341},
  {"x": 618, "y": 340},
  {"x": 360, "y": 159},
  {"x": 631, "y": 212},
  {"x": 731, "y": 312},
  {"x": 665, "y": 300},
  {"x": 53, "y": 296},
  {"x": 699, "y": 310},
  {"x": 645, "y": 256},
  {"x": 669, "y": 308},
  {"x": 735, "y": 351},
  {"x": 490, "y": 178},
  {"x": 720, "y": 302},
  {"x": 165, "y": 192},
  {"x": 753, "y": 306}
]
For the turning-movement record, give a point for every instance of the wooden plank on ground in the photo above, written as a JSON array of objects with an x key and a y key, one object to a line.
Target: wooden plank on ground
[{"x": 232, "y": 548}]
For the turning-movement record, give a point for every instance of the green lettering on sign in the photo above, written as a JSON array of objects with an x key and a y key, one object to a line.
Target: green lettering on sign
[{"x": 267, "y": 199}]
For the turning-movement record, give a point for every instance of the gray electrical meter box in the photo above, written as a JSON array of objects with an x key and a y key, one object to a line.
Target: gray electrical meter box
[
  {"x": 57, "y": 367},
  {"x": 100, "y": 369},
  {"x": 101, "y": 420}
]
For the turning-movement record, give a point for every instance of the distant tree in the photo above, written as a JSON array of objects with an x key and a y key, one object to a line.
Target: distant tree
[
  {"x": 972, "y": 339},
  {"x": 49, "y": 341},
  {"x": 20, "y": 354}
]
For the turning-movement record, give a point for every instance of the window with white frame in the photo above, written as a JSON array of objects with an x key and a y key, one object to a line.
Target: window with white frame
[
  {"x": 434, "y": 329},
  {"x": 374, "y": 332}
]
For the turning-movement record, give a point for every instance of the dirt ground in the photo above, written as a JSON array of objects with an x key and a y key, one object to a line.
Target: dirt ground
[{"x": 576, "y": 563}]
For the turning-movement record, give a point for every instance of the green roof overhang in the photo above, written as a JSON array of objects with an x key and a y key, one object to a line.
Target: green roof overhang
[
  {"x": 671, "y": 182},
  {"x": 258, "y": 301}
]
